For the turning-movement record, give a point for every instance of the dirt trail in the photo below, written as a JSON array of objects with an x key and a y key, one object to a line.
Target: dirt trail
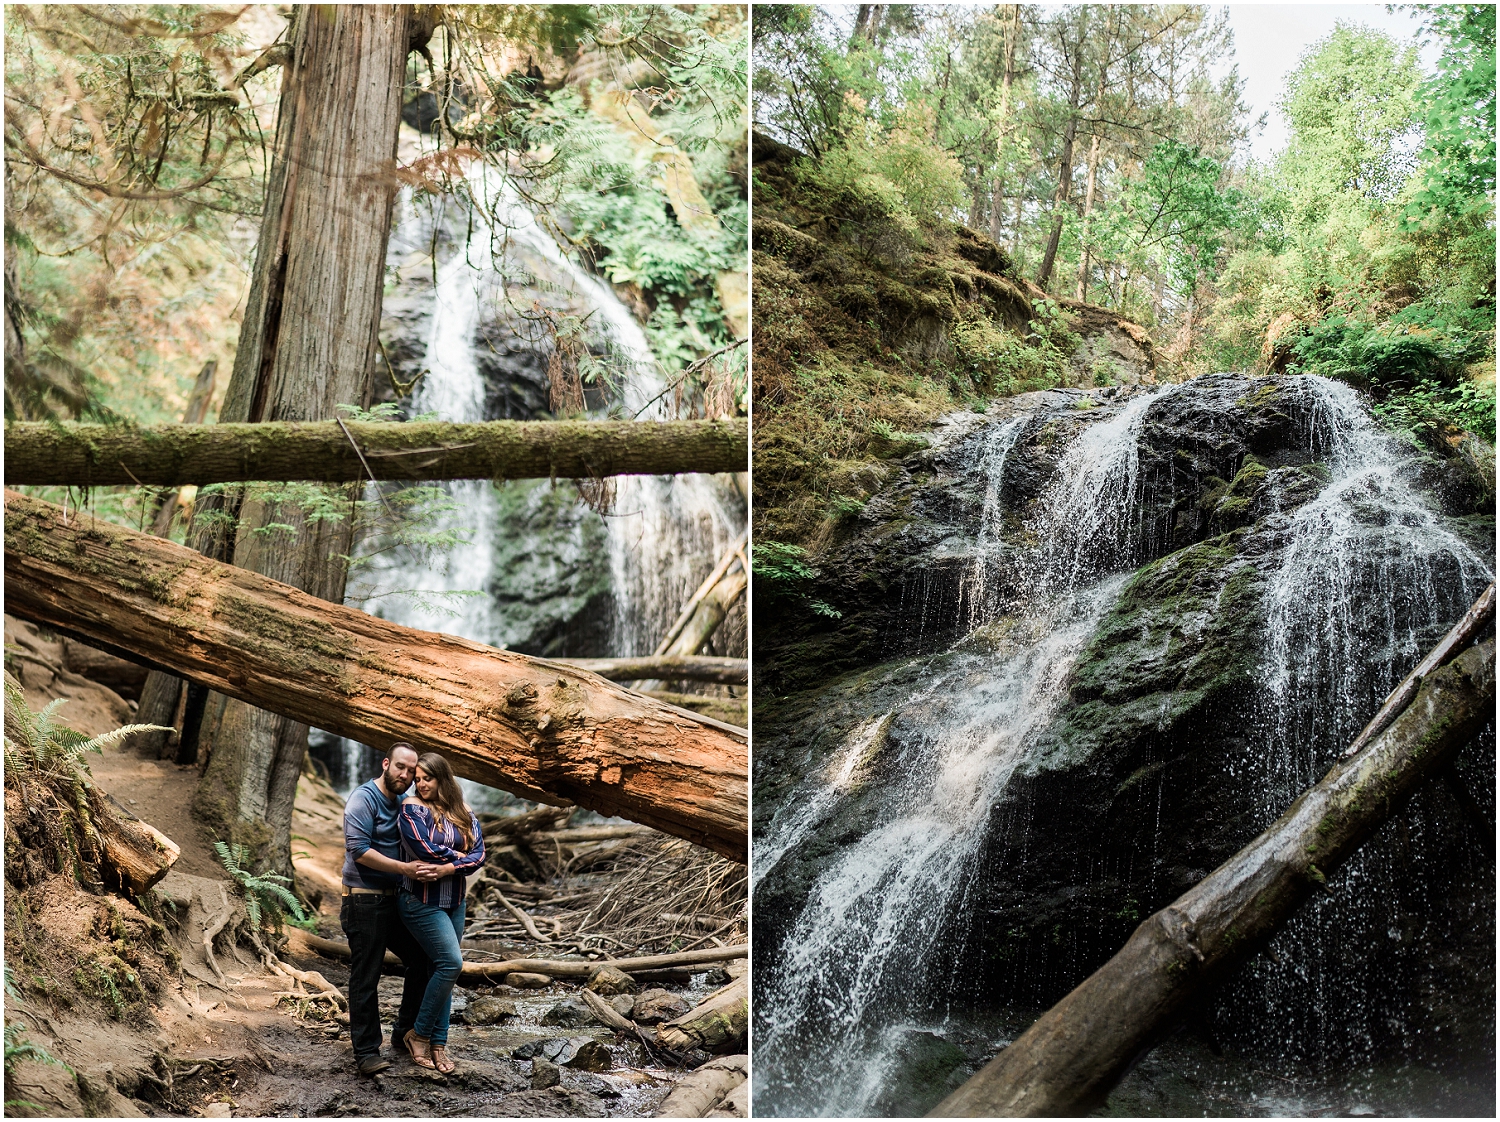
[{"x": 217, "y": 1034}]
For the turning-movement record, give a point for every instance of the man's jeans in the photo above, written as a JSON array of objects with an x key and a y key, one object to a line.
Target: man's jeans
[{"x": 373, "y": 925}]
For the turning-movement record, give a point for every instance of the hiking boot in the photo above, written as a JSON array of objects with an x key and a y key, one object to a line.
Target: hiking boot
[{"x": 369, "y": 1065}]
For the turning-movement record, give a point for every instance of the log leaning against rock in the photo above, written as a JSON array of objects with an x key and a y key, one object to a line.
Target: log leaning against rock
[
  {"x": 91, "y": 455},
  {"x": 540, "y": 729},
  {"x": 1068, "y": 1061},
  {"x": 718, "y": 1024}
]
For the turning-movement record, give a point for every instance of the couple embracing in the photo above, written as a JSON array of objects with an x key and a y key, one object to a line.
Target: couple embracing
[{"x": 405, "y": 864}]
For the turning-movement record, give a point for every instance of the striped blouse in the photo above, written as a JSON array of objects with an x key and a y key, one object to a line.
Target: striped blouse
[{"x": 426, "y": 837}]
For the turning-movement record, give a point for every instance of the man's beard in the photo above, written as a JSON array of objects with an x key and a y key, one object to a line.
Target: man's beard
[{"x": 394, "y": 785}]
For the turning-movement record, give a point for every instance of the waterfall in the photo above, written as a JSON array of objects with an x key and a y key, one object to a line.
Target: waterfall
[
  {"x": 875, "y": 861},
  {"x": 1368, "y": 580},
  {"x": 661, "y": 536},
  {"x": 853, "y": 975}
]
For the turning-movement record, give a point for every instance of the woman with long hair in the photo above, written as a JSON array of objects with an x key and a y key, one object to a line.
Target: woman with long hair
[{"x": 437, "y": 827}]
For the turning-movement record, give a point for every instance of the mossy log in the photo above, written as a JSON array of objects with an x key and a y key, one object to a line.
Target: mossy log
[
  {"x": 1069, "y": 1060},
  {"x": 718, "y": 1024},
  {"x": 91, "y": 455},
  {"x": 541, "y": 729},
  {"x": 667, "y": 668}
]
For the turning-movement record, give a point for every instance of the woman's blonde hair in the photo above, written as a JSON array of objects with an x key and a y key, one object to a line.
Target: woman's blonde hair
[{"x": 448, "y": 800}]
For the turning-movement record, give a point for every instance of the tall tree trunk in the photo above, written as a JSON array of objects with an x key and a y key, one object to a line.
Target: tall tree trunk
[
  {"x": 1007, "y": 81},
  {"x": 1081, "y": 288},
  {"x": 1065, "y": 160},
  {"x": 306, "y": 346}
]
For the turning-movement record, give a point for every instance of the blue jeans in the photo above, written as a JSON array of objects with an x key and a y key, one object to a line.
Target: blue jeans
[{"x": 438, "y": 932}]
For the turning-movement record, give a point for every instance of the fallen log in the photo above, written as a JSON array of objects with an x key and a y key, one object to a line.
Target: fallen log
[
  {"x": 1069, "y": 1060},
  {"x": 92, "y": 455},
  {"x": 558, "y": 968},
  {"x": 717, "y": 1024},
  {"x": 705, "y": 1087},
  {"x": 667, "y": 668},
  {"x": 540, "y": 729},
  {"x": 135, "y": 854}
]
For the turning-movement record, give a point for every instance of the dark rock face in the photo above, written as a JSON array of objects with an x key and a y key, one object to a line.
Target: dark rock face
[{"x": 1153, "y": 768}]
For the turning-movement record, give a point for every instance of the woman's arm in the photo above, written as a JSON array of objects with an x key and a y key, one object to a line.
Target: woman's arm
[
  {"x": 418, "y": 826},
  {"x": 471, "y": 861}
]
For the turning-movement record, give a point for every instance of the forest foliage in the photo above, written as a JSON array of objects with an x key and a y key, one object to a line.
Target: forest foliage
[
  {"x": 137, "y": 144},
  {"x": 1104, "y": 149}
]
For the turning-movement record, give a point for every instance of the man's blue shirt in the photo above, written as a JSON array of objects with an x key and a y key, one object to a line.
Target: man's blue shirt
[{"x": 370, "y": 822}]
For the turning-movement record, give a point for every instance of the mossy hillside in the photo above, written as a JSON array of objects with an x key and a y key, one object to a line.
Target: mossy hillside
[{"x": 869, "y": 323}]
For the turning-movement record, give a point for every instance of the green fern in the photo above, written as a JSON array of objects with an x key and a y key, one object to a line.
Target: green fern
[
  {"x": 18, "y": 1048},
  {"x": 266, "y": 894}
]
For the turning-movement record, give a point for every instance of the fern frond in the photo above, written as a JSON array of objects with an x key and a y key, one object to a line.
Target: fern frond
[{"x": 110, "y": 739}]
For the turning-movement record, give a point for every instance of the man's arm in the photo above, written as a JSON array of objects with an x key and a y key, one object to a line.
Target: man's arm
[{"x": 359, "y": 826}]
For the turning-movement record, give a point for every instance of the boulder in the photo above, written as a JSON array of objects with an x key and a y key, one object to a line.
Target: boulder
[
  {"x": 608, "y": 981},
  {"x": 655, "y": 1006}
]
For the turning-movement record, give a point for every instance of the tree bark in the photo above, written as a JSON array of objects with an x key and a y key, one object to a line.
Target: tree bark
[
  {"x": 172, "y": 455},
  {"x": 667, "y": 668},
  {"x": 718, "y": 1024},
  {"x": 1069, "y": 1060},
  {"x": 306, "y": 346},
  {"x": 541, "y": 729},
  {"x": 1065, "y": 161},
  {"x": 1007, "y": 81}
]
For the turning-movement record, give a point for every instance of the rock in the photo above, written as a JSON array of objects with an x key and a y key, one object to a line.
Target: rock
[
  {"x": 591, "y": 1055},
  {"x": 622, "y": 1003},
  {"x": 550, "y": 1049},
  {"x": 552, "y": 1102},
  {"x": 926, "y": 1068},
  {"x": 217, "y": 1110},
  {"x": 528, "y": 981},
  {"x": 718, "y": 976},
  {"x": 608, "y": 981},
  {"x": 575, "y": 1080},
  {"x": 544, "y": 1073},
  {"x": 655, "y": 1006},
  {"x": 570, "y": 1012},
  {"x": 489, "y": 1010}
]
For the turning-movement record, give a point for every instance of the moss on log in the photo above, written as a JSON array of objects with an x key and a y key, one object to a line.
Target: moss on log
[
  {"x": 541, "y": 729},
  {"x": 175, "y": 455}
]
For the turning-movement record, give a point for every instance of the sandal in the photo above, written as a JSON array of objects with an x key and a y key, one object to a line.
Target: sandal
[
  {"x": 420, "y": 1050},
  {"x": 440, "y": 1058}
]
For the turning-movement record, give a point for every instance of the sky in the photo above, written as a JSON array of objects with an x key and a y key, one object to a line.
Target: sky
[{"x": 1269, "y": 40}]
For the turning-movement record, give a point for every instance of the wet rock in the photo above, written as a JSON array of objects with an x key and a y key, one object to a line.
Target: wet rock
[
  {"x": 591, "y": 1055},
  {"x": 718, "y": 976},
  {"x": 589, "y": 1083},
  {"x": 622, "y": 1003},
  {"x": 544, "y": 1073},
  {"x": 523, "y": 981},
  {"x": 926, "y": 1069},
  {"x": 570, "y": 1012},
  {"x": 549, "y": 1048},
  {"x": 489, "y": 1010},
  {"x": 608, "y": 981},
  {"x": 553, "y": 1102},
  {"x": 655, "y": 1006}
]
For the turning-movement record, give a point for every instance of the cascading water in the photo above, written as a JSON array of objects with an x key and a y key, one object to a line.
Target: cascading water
[
  {"x": 887, "y": 868},
  {"x": 662, "y": 534},
  {"x": 1368, "y": 580},
  {"x": 854, "y": 976}
]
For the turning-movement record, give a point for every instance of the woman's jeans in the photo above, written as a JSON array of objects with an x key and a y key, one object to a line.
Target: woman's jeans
[{"x": 438, "y": 932}]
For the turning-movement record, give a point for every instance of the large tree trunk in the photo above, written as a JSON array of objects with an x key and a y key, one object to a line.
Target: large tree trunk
[
  {"x": 307, "y": 345},
  {"x": 171, "y": 455},
  {"x": 1007, "y": 81},
  {"x": 1068, "y": 1061},
  {"x": 544, "y": 730}
]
